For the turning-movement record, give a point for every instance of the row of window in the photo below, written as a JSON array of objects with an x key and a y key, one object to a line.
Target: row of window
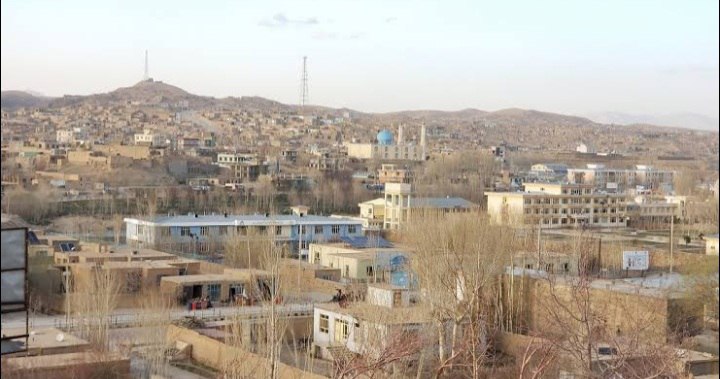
[
  {"x": 243, "y": 230},
  {"x": 564, "y": 221},
  {"x": 547, "y": 200},
  {"x": 570, "y": 211}
]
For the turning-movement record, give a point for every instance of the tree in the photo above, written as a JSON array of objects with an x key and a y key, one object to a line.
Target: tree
[{"x": 458, "y": 259}]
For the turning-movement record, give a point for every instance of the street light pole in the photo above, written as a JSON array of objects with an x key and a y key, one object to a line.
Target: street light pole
[{"x": 672, "y": 241}]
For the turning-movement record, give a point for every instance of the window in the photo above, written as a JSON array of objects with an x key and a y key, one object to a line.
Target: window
[
  {"x": 397, "y": 299},
  {"x": 319, "y": 229},
  {"x": 304, "y": 244},
  {"x": 278, "y": 230},
  {"x": 336, "y": 229},
  {"x": 342, "y": 330},
  {"x": 203, "y": 248},
  {"x": 262, "y": 229},
  {"x": 204, "y": 230},
  {"x": 303, "y": 229},
  {"x": 324, "y": 323},
  {"x": 369, "y": 270},
  {"x": 214, "y": 292},
  {"x": 352, "y": 229},
  {"x": 140, "y": 230},
  {"x": 347, "y": 270},
  {"x": 185, "y": 231},
  {"x": 241, "y": 230}
]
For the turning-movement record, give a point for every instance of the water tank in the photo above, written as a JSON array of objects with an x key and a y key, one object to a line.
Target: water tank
[{"x": 384, "y": 137}]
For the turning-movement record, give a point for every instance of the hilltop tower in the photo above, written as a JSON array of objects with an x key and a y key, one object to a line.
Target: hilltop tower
[
  {"x": 304, "y": 84},
  {"x": 147, "y": 67}
]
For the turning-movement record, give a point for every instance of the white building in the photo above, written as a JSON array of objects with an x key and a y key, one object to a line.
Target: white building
[
  {"x": 65, "y": 136},
  {"x": 147, "y": 138},
  {"x": 612, "y": 179},
  {"x": 206, "y": 234},
  {"x": 387, "y": 316},
  {"x": 553, "y": 205},
  {"x": 584, "y": 148},
  {"x": 712, "y": 244},
  {"x": 400, "y": 204}
]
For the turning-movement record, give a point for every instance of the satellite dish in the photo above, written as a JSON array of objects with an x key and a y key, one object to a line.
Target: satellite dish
[{"x": 60, "y": 337}]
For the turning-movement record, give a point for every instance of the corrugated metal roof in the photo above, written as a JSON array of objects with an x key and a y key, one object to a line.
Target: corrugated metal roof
[
  {"x": 440, "y": 202},
  {"x": 260, "y": 219}
]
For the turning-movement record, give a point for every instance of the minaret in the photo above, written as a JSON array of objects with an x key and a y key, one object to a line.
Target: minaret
[{"x": 400, "y": 135}]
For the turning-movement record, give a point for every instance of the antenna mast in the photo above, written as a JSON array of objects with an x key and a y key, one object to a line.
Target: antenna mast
[
  {"x": 304, "y": 84},
  {"x": 147, "y": 67}
]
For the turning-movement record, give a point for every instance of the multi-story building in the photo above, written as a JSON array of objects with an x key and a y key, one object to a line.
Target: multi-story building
[
  {"x": 148, "y": 138},
  {"x": 206, "y": 234},
  {"x": 548, "y": 171},
  {"x": 647, "y": 211},
  {"x": 246, "y": 167},
  {"x": 400, "y": 204},
  {"x": 554, "y": 205},
  {"x": 612, "y": 179},
  {"x": 390, "y": 173},
  {"x": 65, "y": 136}
]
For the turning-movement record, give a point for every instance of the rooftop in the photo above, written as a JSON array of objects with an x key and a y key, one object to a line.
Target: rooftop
[
  {"x": 380, "y": 314},
  {"x": 236, "y": 220},
  {"x": 45, "y": 338}
]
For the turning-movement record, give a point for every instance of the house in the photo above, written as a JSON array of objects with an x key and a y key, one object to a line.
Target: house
[{"x": 387, "y": 316}]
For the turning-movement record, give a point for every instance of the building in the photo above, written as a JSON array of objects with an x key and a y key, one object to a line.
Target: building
[
  {"x": 645, "y": 308},
  {"x": 400, "y": 204},
  {"x": 148, "y": 138},
  {"x": 239, "y": 286},
  {"x": 368, "y": 327},
  {"x": 206, "y": 234},
  {"x": 648, "y": 212},
  {"x": 554, "y": 205},
  {"x": 584, "y": 148},
  {"x": 618, "y": 180},
  {"x": 245, "y": 167},
  {"x": 386, "y": 149},
  {"x": 373, "y": 213},
  {"x": 364, "y": 259},
  {"x": 712, "y": 246},
  {"x": 548, "y": 171},
  {"x": 65, "y": 136},
  {"x": 390, "y": 173}
]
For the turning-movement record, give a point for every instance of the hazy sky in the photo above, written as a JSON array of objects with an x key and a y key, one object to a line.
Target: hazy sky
[{"x": 570, "y": 56}]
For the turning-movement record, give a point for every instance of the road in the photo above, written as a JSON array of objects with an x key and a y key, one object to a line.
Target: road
[{"x": 130, "y": 317}]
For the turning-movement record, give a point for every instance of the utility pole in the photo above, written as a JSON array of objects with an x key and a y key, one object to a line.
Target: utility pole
[{"x": 672, "y": 241}]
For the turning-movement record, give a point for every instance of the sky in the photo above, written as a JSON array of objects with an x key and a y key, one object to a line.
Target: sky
[{"x": 573, "y": 57}]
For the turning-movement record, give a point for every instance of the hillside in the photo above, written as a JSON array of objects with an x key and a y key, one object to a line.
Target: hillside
[{"x": 20, "y": 99}]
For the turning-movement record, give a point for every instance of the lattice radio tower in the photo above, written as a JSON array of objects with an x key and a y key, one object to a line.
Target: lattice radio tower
[{"x": 304, "y": 84}]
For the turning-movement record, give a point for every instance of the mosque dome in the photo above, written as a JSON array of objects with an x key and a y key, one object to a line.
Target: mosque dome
[{"x": 385, "y": 137}]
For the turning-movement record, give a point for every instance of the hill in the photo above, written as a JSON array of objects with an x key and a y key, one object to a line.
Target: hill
[{"x": 21, "y": 99}]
